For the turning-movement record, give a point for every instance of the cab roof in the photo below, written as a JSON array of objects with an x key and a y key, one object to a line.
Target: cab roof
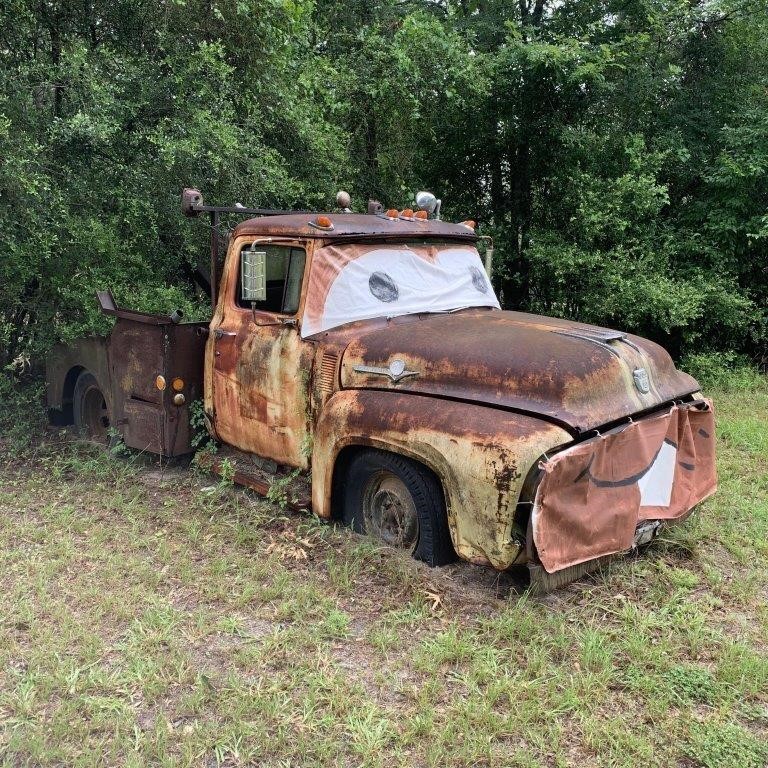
[{"x": 351, "y": 225}]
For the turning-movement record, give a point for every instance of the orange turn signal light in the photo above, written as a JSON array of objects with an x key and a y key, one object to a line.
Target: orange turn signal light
[
  {"x": 178, "y": 384},
  {"x": 322, "y": 222},
  {"x": 160, "y": 382}
]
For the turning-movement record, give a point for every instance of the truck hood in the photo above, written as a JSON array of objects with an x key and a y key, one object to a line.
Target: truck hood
[{"x": 580, "y": 376}]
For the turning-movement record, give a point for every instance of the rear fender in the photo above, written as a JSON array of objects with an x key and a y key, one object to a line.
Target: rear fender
[
  {"x": 481, "y": 456},
  {"x": 65, "y": 361}
]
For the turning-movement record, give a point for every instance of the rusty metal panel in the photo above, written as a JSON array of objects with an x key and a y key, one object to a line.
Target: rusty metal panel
[
  {"x": 258, "y": 376},
  {"x": 139, "y": 352},
  {"x": 260, "y": 389},
  {"x": 579, "y": 376},
  {"x": 185, "y": 360},
  {"x": 136, "y": 357},
  {"x": 351, "y": 225},
  {"x": 64, "y": 361},
  {"x": 593, "y": 495},
  {"x": 109, "y": 307},
  {"x": 143, "y": 425},
  {"x": 481, "y": 455}
]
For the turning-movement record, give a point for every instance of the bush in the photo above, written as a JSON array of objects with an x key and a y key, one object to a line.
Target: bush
[
  {"x": 725, "y": 372},
  {"x": 22, "y": 413}
]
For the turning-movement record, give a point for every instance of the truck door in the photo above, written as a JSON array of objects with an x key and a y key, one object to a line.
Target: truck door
[{"x": 260, "y": 365}]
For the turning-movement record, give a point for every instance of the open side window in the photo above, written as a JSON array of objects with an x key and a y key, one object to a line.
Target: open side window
[{"x": 282, "y": 267}]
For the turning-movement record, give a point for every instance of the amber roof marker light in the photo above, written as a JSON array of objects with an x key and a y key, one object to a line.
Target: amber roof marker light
[{"x": 322, "y": 222}]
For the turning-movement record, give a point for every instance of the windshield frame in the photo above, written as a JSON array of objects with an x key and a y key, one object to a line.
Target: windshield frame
[{"x": 325, "y": 270}]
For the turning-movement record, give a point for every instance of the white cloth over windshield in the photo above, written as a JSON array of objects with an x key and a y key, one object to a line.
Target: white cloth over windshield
[{"x": 355, "y": 282}]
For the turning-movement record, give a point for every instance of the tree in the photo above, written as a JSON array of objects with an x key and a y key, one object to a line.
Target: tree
[{"x": 614, "y": 149}]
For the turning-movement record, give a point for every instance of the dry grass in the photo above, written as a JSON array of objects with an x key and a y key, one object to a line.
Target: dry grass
[{"x": 151, "y": 618}]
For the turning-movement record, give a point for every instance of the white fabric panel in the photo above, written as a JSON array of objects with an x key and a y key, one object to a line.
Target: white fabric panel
[
  {"x": 656, "y": 484},
  {"x": 412, "y": 283}
]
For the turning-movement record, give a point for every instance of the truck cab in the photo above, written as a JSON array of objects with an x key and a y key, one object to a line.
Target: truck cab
[{"x": 370, "y": 354}]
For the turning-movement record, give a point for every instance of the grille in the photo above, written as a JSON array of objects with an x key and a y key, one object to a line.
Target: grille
[{"x": 328, "y": 372}]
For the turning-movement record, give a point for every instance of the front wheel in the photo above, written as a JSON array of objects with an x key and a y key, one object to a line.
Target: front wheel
[
  {"x": 399, "y": 502},
  {"x": 89, "y": 408}
]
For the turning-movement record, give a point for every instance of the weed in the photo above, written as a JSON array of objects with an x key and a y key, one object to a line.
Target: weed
[
  {"x": 725, "y": 745},
  {"x": 199, "y": 435},
  {"x": 22, "y": 416},
  {"x": 201, "y": 461},
  {"x": 226, "y": 472},
  {"x": 146, "y": 622},
  {"x": 117, "y": 446},
  {"x": 280, "y": 489},
  {"x": 691, "y": 683}
]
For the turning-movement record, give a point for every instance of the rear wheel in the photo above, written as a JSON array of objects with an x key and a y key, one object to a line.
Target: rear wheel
[
  {"x": 89, "y": 408},
  {"x": 399, "y": 502}
]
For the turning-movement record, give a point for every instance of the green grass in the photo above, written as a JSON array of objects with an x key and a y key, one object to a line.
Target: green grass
[{"x": 152, "y": 617}]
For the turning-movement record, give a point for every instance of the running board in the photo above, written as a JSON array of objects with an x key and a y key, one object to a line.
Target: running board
[{"x": 245, "y": 472}]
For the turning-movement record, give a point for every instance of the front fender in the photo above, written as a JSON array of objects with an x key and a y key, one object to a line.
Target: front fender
[{"x": 481, "y": 455}]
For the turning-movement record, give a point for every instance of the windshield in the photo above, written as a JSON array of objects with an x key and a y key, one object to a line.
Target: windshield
[{"x": 358, "y": 282}]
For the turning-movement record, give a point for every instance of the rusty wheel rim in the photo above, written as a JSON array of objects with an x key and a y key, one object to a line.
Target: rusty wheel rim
[
  {"x": 390, "y": 512},
  {"x": 95, "y": 415}
]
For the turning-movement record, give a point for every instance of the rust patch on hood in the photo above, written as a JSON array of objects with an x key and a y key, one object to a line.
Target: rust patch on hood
[{"x": 573, "y": 374}]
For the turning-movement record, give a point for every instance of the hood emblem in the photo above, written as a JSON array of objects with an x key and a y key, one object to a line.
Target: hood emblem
[
  {"x": 643, "y": 384},
  {"x": 395, "y": 372}
]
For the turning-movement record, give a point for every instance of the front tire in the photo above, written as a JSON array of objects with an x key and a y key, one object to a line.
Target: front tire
[
  {"x": 400, "y": 502},
  {"x": 89, "y": 408}
]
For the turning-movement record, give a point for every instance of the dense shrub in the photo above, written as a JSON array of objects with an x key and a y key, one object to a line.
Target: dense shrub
[{"x": 618, "y": 152}]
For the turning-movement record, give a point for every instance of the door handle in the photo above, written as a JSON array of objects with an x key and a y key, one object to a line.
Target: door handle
[{"x": 219, "y": 334}]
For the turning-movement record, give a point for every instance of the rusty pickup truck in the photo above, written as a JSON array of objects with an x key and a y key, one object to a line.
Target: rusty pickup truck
[{"x": 368, "y": 354}]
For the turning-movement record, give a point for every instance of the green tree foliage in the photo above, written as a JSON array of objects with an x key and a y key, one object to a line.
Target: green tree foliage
[{"x": 616, "y": 149}]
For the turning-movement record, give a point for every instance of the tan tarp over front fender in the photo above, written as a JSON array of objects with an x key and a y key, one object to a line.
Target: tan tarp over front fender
[{"x": 592, "y": 495}]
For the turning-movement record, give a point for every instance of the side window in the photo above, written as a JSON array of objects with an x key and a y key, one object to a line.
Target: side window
[{"x": 284, "y": 270}]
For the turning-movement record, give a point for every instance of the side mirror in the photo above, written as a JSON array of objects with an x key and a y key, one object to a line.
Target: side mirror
[
  {"x": 253, "y": 275},
  {"x": 489, "y": 261}
]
